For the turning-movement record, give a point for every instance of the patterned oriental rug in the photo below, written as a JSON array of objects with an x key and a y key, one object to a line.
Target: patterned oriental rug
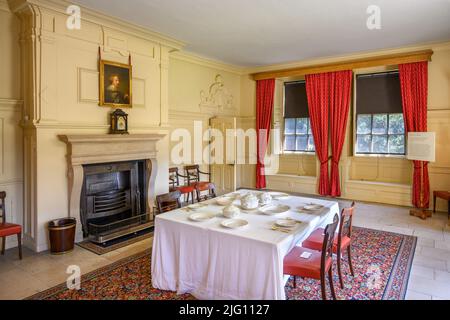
[{"x": 381, "y": 261}]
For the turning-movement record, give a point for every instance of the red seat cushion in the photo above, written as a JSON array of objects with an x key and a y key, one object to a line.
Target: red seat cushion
[
  {"x": 294, "y": 265},
  {"x": 201, "y": 185},
  {"x": 185, "y": 189},
  {"x": 8, "y": 229},
  {"x": 315, "y": 241}
]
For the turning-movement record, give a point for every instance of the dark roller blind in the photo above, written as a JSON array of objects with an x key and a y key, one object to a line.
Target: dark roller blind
[
  {"x": 378, "y": 93},
  {"x": 295, "y": 100}
]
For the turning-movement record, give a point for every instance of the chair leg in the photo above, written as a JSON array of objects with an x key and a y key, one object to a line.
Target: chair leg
[
  {"x": 330, "y": 279},
  {"x": 193, "y": 197},
  {"x": 322, "y": 285},
  {"x": 3, "y": 245},
  {"x": 350, "y": 260},
  {"x": 339, "y": 257},
  {"x": 19, "y": 241}
]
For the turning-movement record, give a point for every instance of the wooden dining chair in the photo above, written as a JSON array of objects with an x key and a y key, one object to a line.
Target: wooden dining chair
[
  {"x": 194, "y": 173},
  {"x": 186, "y": 190},
  {"x": 342, "y": 242},
  {"x": 318, "y": 264},
  {"x": 168, "y": 201},
  {"x": 9, "y": 229},
  {"x": 207, "y": 186}
]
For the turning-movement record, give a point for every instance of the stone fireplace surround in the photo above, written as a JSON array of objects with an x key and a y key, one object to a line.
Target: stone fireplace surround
[{"x": 104, "y": 148}]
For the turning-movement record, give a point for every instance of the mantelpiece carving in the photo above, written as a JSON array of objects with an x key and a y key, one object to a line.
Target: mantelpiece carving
[
  {"x": 103, "y": 148},
  {"x": 218, "y": 99}
]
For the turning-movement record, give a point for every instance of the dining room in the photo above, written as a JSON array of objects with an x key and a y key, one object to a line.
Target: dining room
[{"x": 284, "y": 152}]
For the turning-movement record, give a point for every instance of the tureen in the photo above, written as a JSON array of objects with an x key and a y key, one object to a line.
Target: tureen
[
  {"x": 231, "y": 211},
  {"x": 249, "y": 201},
  {"x": 264, "y": 198}
]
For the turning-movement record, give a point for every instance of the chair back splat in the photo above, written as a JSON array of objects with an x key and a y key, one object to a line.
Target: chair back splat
[
  {"x": 168, "y": 201},
  {"x": 328, "y": 240},
  {"x": 345, "y": 227}
]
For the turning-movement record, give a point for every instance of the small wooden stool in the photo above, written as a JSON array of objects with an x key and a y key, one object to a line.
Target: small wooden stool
[{"x": 444, "y": 195}]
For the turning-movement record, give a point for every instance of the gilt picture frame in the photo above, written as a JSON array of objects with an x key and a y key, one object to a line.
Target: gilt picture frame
[{"x": 115, "y": 84}]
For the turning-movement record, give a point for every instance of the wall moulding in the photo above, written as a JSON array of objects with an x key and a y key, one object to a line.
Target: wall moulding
[{"x": 11, "y": 105}]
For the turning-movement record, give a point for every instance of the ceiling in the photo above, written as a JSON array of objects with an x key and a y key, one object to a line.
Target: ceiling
[{"x": 263, "y": 32}]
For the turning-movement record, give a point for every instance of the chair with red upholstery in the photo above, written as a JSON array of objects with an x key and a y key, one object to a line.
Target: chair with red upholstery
[
  {"x": 341, "y": 243},
  {"x": 318, "y": 264},
  {"x": 174, "y": 184},
  {"x": 194, "y": 173},
  {"x": 208, "y": 186},
  {"x": 9, "y": 229}
]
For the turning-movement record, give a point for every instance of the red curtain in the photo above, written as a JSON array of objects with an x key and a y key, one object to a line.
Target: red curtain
[
  {"x": 264, "y": 108},
  {"x": 340, "y": 89},
  {"x": 317, "y": 91},
  {"x": 414, "y": 87}
]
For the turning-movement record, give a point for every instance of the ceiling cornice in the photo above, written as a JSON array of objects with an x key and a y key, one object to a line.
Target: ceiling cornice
[
  {"x": 207, "y": 62},
  {"x": 96, "y": 17}
]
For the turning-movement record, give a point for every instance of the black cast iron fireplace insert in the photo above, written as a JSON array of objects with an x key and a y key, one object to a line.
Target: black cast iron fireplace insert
[{"x": 113, "y": 200}]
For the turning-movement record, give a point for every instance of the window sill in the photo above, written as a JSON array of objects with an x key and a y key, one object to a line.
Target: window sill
[
  {"x": 378, "y": 155},
  {"x": 301, "y": 153}
]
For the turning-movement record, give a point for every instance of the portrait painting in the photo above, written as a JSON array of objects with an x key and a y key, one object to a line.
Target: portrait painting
[{"x": 115, "y": 84}]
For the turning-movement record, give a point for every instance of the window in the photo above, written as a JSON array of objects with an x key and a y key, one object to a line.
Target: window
[
  {"x": 297, "y": 126},
  {"x": 379, "y": 118}
]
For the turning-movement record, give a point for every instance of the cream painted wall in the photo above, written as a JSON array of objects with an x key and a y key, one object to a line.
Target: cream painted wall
[
  {"x": 190, "y": 79},
  {"x": 11, "y": 153}
]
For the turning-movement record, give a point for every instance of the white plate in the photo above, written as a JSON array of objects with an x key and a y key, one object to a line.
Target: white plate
[
  {"x": 201, "y": 216},
  {"x": 197, "y": 206},
  {"x": 312, "y": 207},
  {"x": 279, "y": 195},
  {"x": 288, "y": 223},
  {"x": 234, "y": 223},
  {"x": 224, "y": 201},
  {"x": 272, "y": 209}
]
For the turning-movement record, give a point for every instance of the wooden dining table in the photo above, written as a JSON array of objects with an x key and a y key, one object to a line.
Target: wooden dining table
[{"x": 210, "y": 261}]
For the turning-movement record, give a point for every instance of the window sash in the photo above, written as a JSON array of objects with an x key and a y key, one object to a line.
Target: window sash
[
  {"x": 307, "y": 135},
  {"x": 371, "y": 135}
]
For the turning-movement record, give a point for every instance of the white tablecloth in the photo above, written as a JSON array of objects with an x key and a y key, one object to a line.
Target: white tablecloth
[{"x": 212, "y": 262}]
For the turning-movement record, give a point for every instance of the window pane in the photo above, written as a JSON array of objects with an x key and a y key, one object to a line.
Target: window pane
[
  {"x": 397, "y": 144},
  {"x": 311, "y": 146},
  {"x": 302, "y": 142},
  {"x": 363, "y": 124},
  {"x": 379, "y": 125},
  {"x": 379, "y": 144},
  {"x": 309, "y": 126},
  {"x": 396, "y": 124},
  {"x": 289, "y": 126},
  {"x": 302, "y": 125},
  {"x": 289, "y": 143},
  {"x": 363, "y": 143}
]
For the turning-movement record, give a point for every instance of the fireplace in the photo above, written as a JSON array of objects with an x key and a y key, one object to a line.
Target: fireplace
[
  {"x": 112, "y": 200},
  {"x": 111, "y": 183}
]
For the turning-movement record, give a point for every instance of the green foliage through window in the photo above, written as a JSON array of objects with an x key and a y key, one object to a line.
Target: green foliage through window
[{"x": 380, "y": 134}]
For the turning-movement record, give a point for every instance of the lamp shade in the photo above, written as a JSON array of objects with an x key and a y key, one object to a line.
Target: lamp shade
[{"x": 421, "y": 146}]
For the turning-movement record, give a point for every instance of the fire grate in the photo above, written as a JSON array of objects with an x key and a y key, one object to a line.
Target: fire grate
[{"x": 101, "y": 233}]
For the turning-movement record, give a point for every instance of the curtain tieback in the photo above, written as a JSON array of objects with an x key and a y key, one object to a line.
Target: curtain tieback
[{"x": 326, "y": 161}]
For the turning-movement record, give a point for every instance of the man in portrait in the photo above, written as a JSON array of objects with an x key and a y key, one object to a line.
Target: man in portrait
[{"x": 113, "y": 93}]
